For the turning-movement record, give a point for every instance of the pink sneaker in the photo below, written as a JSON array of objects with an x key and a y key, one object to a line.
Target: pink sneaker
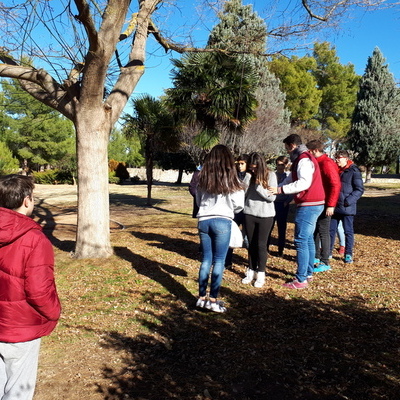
[
  {"x": 341, "y": 250},
  {"x": 295, "y": 284}
]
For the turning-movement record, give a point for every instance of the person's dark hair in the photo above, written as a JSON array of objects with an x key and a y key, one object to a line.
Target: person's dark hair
[
  {"x": 243, "y": 157},
  {"x": 260, "y": 176},
  {"x": 218, "y": 174},
  {"x": 13, "y": 190},
  {"x": 315, "y": 145},
  {"x": 342, "y": 153},
  {"x": 293, "y": 139},
  {"x": 282, "y": 159}
]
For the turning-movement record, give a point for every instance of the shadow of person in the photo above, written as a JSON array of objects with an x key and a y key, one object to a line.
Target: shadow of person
[{"x": 159, "y": 272}]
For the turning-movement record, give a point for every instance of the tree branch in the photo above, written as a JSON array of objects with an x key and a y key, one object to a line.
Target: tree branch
[
  {"x": 86, "y": 19},
  {"x": 38, "y": 83},
  {"x": 331, "y": 9}
]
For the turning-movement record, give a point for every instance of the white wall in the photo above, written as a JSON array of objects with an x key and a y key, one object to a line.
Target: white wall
[{"x": 160, "y": 175}]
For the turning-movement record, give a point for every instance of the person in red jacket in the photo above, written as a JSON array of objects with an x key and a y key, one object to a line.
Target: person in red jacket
[
  {"x": 331, "y": 182},
  {"x": 29, "y": 304}
]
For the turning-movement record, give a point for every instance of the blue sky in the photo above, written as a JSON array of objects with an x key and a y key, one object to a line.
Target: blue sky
[
  {"x": 354, "y": 41},
  {"x": 367, "y": 30}
]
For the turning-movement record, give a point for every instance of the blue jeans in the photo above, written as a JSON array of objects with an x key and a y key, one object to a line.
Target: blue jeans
[
  {"x": 305, "y": 222},
  {"x": 214, "y": 241},
  {"x": 348, "y": 227}
]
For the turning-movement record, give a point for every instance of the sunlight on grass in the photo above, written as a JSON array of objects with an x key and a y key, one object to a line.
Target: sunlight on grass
[{"x": 130, "y": 320}]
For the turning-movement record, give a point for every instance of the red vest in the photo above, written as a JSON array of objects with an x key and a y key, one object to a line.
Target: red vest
[{"x": 315, "y": 194}]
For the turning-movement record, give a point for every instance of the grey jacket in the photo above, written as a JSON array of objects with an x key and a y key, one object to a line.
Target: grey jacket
[{"x": 259, "y": 201}]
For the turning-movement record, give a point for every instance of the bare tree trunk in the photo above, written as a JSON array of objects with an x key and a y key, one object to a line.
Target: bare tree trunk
[
  {"x": 93, "y": 231},
  {"x": 368, "y": 174},
  {"x": 180, "y": 175},
  {"x": 149, "y": 165}
]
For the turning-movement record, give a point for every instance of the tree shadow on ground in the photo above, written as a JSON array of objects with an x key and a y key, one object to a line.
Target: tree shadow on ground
[
  {"x": 264, "y": 347},
  {"x": 46, "y": 218},
  {"x": 378, "y": 216},
  {"x": 120, "y": 199}
]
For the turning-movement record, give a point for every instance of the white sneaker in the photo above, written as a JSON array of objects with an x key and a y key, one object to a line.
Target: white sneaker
[
  {"x": 201, "y": 303},
  {"x": 249, "y": 276},
  {"x": 216, "y": 306},
  {"x": 260, "y": 280}
]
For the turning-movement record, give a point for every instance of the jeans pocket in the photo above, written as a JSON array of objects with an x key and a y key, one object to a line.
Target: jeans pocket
[{"x": 222, "y": 226}]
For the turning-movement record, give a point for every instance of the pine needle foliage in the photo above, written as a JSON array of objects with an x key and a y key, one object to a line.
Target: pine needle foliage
[{"x": 375, "y": 132}]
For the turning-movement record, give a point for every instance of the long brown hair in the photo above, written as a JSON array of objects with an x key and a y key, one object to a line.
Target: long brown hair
[
  {"x": 261, "y": 174},
  {"x": 218, "y": 174}
]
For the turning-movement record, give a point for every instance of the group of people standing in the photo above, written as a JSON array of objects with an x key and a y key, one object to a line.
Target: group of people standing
[{"x": 247, "y": 192}]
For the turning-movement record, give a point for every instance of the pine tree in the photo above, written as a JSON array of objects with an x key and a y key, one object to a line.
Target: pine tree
[
  {"x": 38, "y": 135},
  {"x": 338, "y": 84},
  {"x": 240, "y": 29},
  {"x": 8, "y": 164},
  {"x": 300, "y": 87},
  {"x": 374, "y": 134}
]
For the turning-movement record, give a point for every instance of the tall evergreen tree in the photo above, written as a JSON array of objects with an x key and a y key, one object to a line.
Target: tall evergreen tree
[
  {"x": 375, "y": 132},
  {"x": 242, "y": 31},
  {"x": 338, "y": 85},
  {"x": 8, "y": 163},
  {"x": 38, "y": 136},
  {"x": 300, "y": 87}
]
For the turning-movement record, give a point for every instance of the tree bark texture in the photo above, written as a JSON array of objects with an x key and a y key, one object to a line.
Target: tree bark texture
[{"x": 93, "y": 233}]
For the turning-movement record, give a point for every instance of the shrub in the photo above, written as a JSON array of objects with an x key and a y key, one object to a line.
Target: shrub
[
  {"x": 47, "y": 177},
  {"x": 120, "y": 170},
  {"x": 112, "y": 178},
  {"x": 112, "y": 165},
  {"x": 53, "y": 177}
]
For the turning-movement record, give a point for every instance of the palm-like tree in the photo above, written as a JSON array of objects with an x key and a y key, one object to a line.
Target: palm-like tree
[
  {"x": 212, "y": 91},
  {"x": 156, "y": 128}
]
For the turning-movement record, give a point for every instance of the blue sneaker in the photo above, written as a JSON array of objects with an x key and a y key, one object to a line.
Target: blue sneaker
[
  {"x": 316, "y": 261},
  {"x": 321, "y": 267},
  {"x": 348, "y": 259}
]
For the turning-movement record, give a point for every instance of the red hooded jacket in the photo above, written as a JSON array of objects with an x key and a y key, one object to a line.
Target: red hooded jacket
[
  {"x": 330, "y": 179},
  {"x": 29, "y": 304}
]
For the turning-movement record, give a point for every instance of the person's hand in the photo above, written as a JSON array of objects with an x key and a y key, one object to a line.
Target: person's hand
[
  {"x": 273, "y": 189},
  {"x": 329, "y": 211}
]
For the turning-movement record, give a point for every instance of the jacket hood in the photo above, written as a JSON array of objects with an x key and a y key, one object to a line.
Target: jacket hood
[{"x": 13, "y": 225}]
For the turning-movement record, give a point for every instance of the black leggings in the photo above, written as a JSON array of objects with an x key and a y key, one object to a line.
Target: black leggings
[{"x": 258, "y": 230}]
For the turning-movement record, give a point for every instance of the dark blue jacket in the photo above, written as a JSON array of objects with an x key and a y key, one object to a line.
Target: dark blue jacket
[{"x": 352, "y": 189}]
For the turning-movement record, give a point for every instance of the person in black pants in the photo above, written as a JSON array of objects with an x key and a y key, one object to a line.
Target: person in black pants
[
  {"x": 259, "y": 212},
  {"x": 281, "y": 204}
]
